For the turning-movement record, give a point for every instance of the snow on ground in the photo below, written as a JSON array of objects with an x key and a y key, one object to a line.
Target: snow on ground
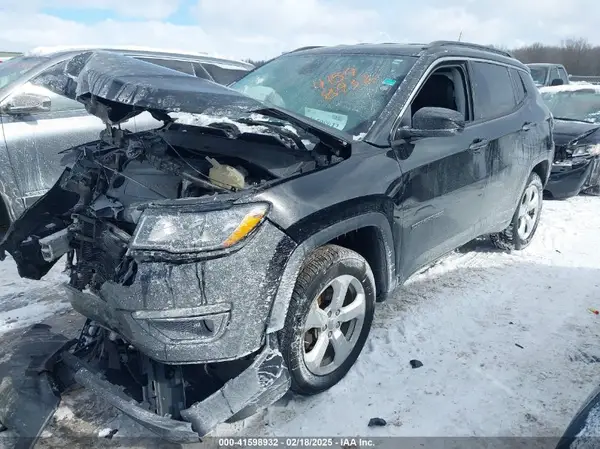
[
  {"x": 24, "y": 302},
  {"x": 508, "y": 346}
]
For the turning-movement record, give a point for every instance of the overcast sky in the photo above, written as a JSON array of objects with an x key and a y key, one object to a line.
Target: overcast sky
[{"x": 265, "y": 28}]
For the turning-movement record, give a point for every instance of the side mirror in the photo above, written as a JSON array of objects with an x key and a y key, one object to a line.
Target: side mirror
[
  {"x": 26, "y": 104},
  {"x": 433, "y": 122},
  {"x": 557, "y": 82}
]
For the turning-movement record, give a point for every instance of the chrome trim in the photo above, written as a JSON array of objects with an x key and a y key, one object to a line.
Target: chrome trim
[{"x": 430, "y": 69}]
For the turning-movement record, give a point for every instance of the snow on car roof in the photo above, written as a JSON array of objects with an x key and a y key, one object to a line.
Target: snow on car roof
[{"x": 570, "y": 88}]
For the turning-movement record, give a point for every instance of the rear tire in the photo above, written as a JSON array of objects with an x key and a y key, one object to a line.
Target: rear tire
[
  {"x": 329, "y": 318},
  {"x": 522, "y": 228}
]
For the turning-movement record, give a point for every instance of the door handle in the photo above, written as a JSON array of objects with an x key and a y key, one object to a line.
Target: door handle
[
  {"x": 479, "y": 144},
  {"x": 527, "y": 126}
]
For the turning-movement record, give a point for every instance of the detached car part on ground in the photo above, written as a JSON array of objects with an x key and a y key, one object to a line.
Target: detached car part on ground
[
  {"x": 576, "y": 167},
  {"x": 239, "y": 250}
]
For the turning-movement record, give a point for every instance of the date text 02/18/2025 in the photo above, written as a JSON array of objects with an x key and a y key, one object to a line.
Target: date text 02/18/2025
[{"x": 304, "y": 442}]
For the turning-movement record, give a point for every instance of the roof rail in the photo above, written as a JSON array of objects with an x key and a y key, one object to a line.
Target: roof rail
[{"x": 470, "y": 45}]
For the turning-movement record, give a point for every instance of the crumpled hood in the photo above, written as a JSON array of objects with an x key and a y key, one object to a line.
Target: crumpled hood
[
  {"x": 566, "y": 131},
  {"x": 116, "y": 87}
]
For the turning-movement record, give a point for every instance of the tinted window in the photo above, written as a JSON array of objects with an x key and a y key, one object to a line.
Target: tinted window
[
  {"x": 492, "y": 90},
  {"x": 344, "y": 91},
  {"x": 180, "y": 66},
  {"x": 59, "y": 103},
  {"x": 224, "y": 74},
  {"x": 518, "y": 84}
]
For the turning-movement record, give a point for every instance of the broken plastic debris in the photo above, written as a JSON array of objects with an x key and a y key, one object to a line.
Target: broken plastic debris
[
  {"x": 594, "y": 311},
  {"x": 377, "y": 422},
  {"x": 416, "y": 364}
]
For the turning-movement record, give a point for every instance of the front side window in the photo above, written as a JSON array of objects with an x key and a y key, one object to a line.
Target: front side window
[
  {"x": 492, "y": 90},
  {"x": 344, "y": 91},
  {"x": 582, "y": 104}
]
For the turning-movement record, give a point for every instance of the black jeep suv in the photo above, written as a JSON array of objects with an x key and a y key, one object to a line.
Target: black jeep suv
[{"x": 239, "y": 250}]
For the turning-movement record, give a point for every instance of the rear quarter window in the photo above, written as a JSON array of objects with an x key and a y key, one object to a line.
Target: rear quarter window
[
  {"x": 518, "y": 85},
  {"x": 493, "y": 90}
]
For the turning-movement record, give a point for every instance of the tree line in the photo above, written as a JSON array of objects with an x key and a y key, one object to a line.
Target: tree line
[{"x": 577, "y": 55}]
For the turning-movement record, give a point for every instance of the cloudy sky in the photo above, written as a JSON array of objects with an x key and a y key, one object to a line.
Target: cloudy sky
[{"x": 265, "y": 28}]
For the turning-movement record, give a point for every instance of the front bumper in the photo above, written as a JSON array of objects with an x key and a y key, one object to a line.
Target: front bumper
[
  {"x": 565, "y": 182},
  {"x": 31, "y": 391},
  {"x": 201, "y": 312}
]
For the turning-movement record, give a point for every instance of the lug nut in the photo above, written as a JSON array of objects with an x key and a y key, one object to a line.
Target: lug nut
[
  {"x": 329, "y": 313},
  {"x": 337, "y": 312},
  {"x": 337, "y": 324},
  {"x": 324, "y": 328},
  {"x": 330, "y": 333}
]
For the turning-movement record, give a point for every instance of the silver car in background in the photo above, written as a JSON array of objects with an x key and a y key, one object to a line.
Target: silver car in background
[{"x": 37, "y": 124}]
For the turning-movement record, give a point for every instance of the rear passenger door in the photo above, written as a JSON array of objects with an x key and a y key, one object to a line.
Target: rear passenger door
[{"x": 500, "y": 125}]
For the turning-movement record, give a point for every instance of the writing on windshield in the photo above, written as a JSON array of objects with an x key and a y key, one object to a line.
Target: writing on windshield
[{"x": 346, "y": 91}]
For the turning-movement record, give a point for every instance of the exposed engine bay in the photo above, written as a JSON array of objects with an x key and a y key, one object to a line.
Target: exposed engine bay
[{"x": 116, "y": 178}]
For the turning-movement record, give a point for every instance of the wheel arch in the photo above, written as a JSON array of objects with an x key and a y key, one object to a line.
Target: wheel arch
[{"x": 373, "y": 226}]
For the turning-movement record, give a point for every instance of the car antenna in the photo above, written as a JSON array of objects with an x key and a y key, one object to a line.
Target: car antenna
[{"x": 459, "y": 36}]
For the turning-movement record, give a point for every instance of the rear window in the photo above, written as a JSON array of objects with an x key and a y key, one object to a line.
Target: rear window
[{"x": 224, "y": 74}]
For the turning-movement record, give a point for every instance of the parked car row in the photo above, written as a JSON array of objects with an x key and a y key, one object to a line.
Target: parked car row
[
  {"x": 320, "y": 182},
  {"x": 37, "y": 124}
]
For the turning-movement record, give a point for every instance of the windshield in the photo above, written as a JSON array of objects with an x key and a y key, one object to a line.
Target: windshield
[
  {"x": 581, "y": 104},
  {"x": 344, "y": 91},
  {"x": 539, "y": 75},
  {"x": 12, "y": 69}
]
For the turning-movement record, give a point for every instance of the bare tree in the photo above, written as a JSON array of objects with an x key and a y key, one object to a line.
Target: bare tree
[{"x": 577, "y": 55}]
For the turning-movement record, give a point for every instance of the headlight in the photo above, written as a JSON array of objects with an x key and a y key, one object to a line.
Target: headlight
[
  {"x": 185, "y": 232},
  {"x": 587, "y": 150}
]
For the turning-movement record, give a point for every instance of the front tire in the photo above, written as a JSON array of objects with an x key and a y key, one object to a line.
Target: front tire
[
  {"x": 329, "y": 318},
  {"x": 522, "y": 228}
]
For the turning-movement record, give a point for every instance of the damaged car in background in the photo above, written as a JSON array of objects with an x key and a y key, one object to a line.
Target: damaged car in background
[
  {"x": 576, "y": 167},
  {"x": 238, "y": 250}
]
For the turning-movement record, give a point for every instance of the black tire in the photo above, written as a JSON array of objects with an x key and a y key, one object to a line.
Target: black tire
[
  {"x": 509, "y": 239},
  {"x": 319, "y": 269}
]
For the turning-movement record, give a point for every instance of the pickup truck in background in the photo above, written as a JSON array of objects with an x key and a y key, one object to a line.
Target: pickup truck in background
[{"x": 545, "y": 74}]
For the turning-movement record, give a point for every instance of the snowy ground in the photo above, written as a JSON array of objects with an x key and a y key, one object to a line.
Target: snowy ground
[{"x": 508, "y": 346}]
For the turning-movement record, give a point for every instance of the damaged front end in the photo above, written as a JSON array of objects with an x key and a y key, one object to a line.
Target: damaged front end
[
  {"x": 171, "y": 261},
  {"x": 576, "y": 167}
]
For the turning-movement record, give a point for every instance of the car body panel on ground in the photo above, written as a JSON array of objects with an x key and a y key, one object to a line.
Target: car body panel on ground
[{"x": 254, "y": 214}]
